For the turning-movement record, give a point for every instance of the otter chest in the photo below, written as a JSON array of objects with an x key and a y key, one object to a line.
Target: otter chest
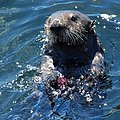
[{"x": 71, "y": 56}]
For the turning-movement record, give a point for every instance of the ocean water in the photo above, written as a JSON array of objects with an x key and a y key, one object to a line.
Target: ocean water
[{"x": 21, "y": 47}]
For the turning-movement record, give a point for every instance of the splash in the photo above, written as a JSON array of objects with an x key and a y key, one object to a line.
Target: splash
[{"x": 23, "y": 80}]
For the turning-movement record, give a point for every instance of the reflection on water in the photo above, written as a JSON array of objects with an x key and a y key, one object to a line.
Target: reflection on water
[{"x": 22, "y": 94}]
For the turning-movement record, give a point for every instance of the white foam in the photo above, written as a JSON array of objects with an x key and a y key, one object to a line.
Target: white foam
[{"x": 107, "y": 17}]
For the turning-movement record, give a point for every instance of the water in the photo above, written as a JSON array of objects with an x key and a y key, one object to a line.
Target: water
[{"x": 21, "y": 40}]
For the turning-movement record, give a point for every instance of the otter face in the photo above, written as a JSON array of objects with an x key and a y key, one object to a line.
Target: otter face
[{"x": 69, "y": 27}]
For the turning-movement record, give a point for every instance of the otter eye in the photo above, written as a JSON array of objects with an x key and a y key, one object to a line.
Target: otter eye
[{"x": 73, "y": 18}]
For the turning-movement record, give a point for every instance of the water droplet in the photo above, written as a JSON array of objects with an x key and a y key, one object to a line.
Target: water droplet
[
  {"x": 19, "y": 66},
  {"x": 76, "y": 7},
  {"x": 100, "y": 96},
  {"x": 14, "y": 102},
  {"x": 17, "y": 63},
  {"x": 104, "y": 26},
  {"x": 105, "y": 104},
  {"x": 31, "y": 111},
  {"x": 117, "y": 28},
  {"x": 100, "y": 106}
]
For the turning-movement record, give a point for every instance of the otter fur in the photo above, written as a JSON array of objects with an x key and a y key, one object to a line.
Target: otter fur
[{"x": 72, "y": 50}]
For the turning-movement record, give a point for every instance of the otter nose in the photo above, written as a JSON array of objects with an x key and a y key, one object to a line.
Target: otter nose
[{"x": 56, "y": 25}]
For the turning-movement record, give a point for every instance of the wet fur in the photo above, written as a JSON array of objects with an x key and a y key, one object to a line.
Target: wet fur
[{"x": 68, "y": 54}]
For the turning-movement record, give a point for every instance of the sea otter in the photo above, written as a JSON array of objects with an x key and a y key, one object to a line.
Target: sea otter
[{"x": 72, "y": 50}]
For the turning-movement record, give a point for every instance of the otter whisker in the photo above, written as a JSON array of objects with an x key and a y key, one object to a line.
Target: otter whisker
[
  {"x": 80, "y": 40},
  {"x": 80, "y": 34},
  {"x": 84, "y": 30},
  {"x": 70, "y": 37},
  {"x": 77, "y": 33},
  {"x": 84, "y": 36},
  {"x": 78, "y": 37},
  {"x": 67, "y": 36},
  {"x": 73, "y": 38}
]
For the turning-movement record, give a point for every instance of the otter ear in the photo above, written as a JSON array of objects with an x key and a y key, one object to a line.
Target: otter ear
[{"x": 92, "y": 25}]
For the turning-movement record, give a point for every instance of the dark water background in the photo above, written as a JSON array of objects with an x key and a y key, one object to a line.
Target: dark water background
[{"x": 21, "y": 40}]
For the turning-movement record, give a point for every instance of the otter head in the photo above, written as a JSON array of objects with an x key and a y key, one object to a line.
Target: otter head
[{"x": 68, "y": 27}]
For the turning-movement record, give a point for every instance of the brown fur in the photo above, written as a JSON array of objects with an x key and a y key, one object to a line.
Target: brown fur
[{"x": 73, "y": 48}]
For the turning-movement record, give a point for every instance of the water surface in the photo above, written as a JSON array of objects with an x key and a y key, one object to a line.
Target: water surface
[{"x": 21, "y": 47}]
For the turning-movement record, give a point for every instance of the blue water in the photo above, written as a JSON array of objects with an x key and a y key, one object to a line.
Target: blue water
[{"x": 21, "y": 47}]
